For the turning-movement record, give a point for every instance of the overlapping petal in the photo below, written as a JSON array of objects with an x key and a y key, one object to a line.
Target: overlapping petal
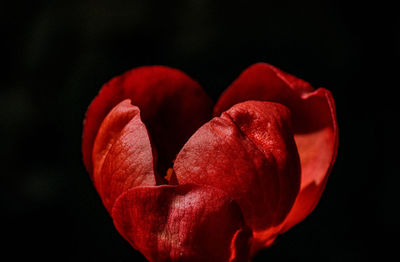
[
  {"x": 122, "y": 154},
  {"x": 172, "y": 107},
  {"x": 249, "y": 152},
  {"x": 314, "y": 125},
  {"x": 182, "y": 223}
]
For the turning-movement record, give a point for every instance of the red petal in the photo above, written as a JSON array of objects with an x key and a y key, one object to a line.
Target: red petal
[
  {"x": 182, "y": 223},
  {"x": 266, "y": 83},
  {"x": 249, "y": 152},
  {"x": 172, "y": 105},
  {"x": 122, "y": 154},
  {"x": 317, "y": 149},
  {"x": 314, "y": 124}
]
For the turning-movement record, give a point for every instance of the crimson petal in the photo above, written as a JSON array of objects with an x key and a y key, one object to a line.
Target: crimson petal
[
  {"x": 249, "y": 152},
  {"x": 172, "y": 105},
  {"x": 317, "y": 149},
  {"x": 122, "y": 154},
  {"x": 182, "y": 223},
  {"x": 314, "y": 124}
]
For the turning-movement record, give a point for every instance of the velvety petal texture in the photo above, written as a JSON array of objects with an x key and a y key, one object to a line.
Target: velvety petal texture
[
  {"x": 182, "y": 223},
  {"x": 122, "y": 154},
  {"x": 181, "y": 186},
  {"x": 250, "y": 153}
]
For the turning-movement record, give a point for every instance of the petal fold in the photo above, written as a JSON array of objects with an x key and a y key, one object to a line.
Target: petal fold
[
  {"x": 182, "y": 223},
  {"x": 249, "y": 152}
]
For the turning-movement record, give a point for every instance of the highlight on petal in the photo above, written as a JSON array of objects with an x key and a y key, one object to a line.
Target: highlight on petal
[
  {"x": 314, "y": 125},
  {"x": 122, "y": 154},
  {"x": 248, "y": 152},
  {"x": 172, "y": 107},
  {"x": 182, "y": 223}
]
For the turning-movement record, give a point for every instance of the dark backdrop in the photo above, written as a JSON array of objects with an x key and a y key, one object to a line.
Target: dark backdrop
[{"x": 55, "y": 56}]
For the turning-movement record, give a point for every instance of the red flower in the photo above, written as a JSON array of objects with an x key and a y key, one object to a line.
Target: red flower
[{"x": 237, "y": 181}]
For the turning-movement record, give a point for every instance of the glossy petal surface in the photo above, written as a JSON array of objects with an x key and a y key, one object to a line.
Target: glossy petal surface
[
  {"x": 172, "y": 107},
  {"x": 182, "y": 223},
  {"x": 249, "y": 152},
  {"x": 314, "y": 125}
]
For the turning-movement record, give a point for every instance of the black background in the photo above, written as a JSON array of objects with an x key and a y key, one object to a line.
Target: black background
[{"x": 55, "y": 56}]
